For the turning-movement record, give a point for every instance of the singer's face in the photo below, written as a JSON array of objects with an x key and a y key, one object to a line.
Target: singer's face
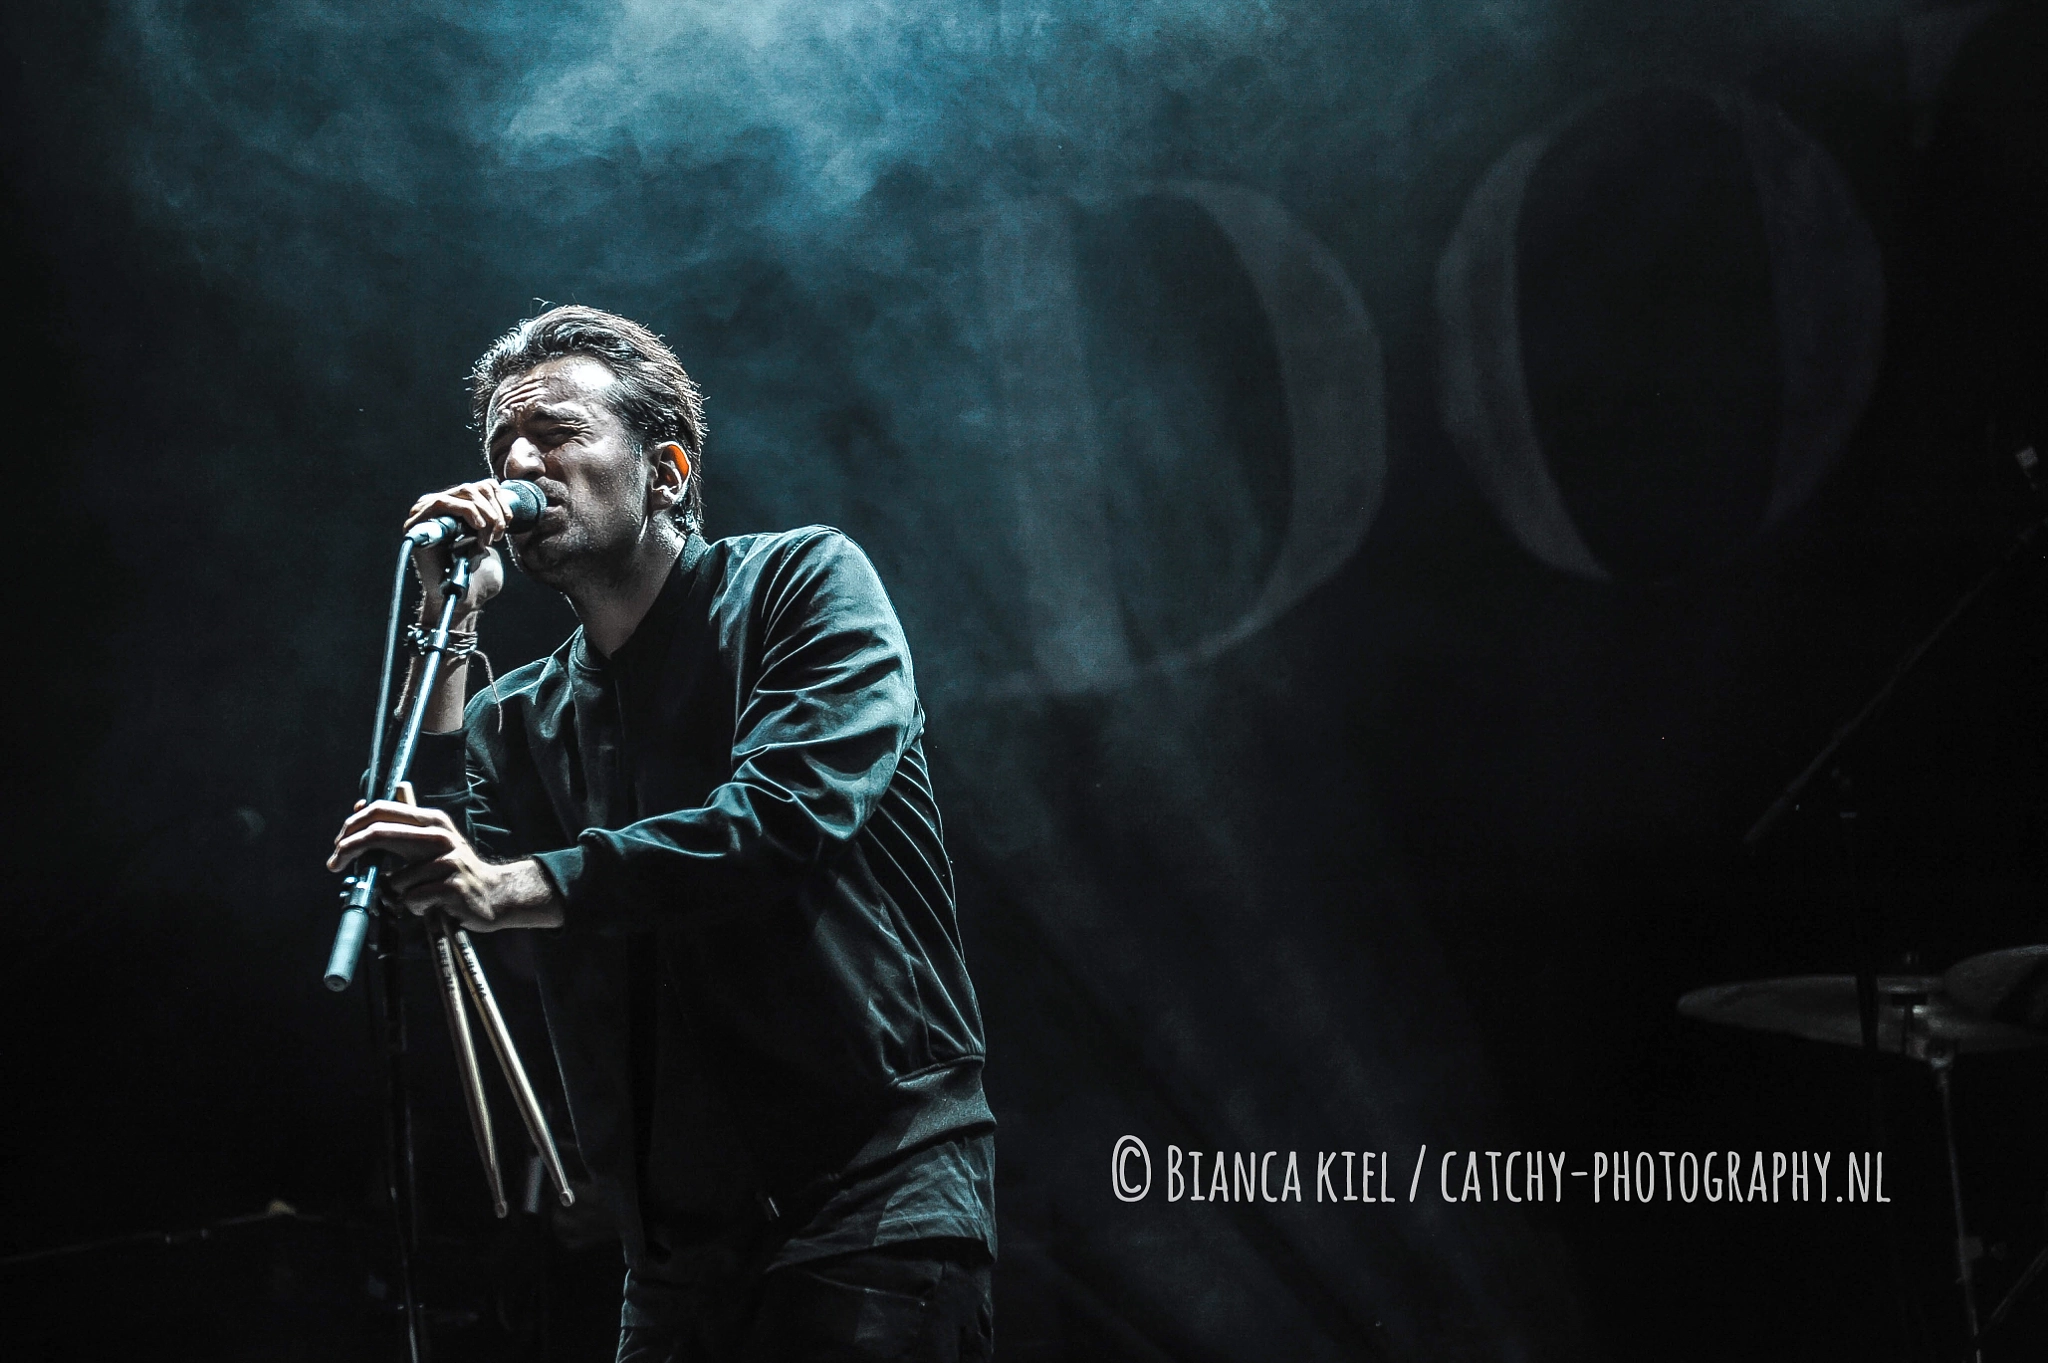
[{"x": 551, "y": 426}]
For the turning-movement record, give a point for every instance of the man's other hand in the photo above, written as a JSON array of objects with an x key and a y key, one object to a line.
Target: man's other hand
[
  {"x": 485, "y": 509},
  {"x": 444, "y": 872}
]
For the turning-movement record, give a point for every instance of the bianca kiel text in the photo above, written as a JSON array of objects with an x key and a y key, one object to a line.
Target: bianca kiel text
[{"x": 1715, "y": 1176}]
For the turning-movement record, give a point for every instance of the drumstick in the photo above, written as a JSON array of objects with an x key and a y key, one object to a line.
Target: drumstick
[
  {"x": 508, "y": 1060},
  {"x": 465, "y": 1057},
  {"x": 464, "y": 1045}
]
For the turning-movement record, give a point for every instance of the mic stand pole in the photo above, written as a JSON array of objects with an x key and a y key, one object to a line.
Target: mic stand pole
[
  {"x": 361, "y": 893},
  {"x": 461, "y": 972},
  {"x": 362, "y": 888},
  {"x": 401, "y": 1178}
]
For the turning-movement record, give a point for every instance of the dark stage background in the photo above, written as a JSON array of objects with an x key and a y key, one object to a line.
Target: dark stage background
[{"x": 1382, "y": 496}]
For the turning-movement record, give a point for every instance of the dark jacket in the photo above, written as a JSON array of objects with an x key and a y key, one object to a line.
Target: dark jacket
[{"x": 758, "y": 991}]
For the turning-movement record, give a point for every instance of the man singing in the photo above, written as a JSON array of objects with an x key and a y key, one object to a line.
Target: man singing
[{"x": 712, "y": 808}]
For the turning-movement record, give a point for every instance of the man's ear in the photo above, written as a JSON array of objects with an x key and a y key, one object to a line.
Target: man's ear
[{"x": 667, "y": 474}]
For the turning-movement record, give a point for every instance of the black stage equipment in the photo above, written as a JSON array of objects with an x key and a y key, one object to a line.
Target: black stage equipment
[{"x": 1932, "y": 1020}]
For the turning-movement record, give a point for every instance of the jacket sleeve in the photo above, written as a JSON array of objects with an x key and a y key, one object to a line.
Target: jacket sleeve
[
  {"x": 456, "y": 773},
  {"x": 827, "y": 707}
]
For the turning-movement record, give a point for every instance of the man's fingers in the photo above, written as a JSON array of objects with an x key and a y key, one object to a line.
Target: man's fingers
[
  {"x": 384, "y": 815},
  {"x": 407, "y": 850},
  {"x": 368, "y": 818},
  {"x": 408, "y": 841},
  {"x": 381, "y": 833},
  {"x": 501, "y": 502},
  {"x": 467, "y": 507},
  {"x": 497, "y": 515},
  {"x": 484, "y": 502},
  {"x": 396, "y": 811},
  {"x": 476, "y": 505},
  {"x": 391, "y": 826}
]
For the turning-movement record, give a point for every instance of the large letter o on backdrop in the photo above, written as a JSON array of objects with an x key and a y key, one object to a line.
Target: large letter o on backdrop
[
  {"x": 1687, "y": 419},
  {"x": 1331, "y": 368},
  {"x": 1335, "y": 377}
]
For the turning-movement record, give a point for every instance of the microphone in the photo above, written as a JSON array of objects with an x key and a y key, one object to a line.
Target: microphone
[{"x": 528, "y": 501}]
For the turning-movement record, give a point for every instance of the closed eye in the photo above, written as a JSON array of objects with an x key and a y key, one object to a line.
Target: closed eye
[{"x": 547, "y": 435}]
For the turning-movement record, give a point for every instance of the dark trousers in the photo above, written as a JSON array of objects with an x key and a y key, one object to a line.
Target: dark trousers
[{"x": 923, "y": 1301}]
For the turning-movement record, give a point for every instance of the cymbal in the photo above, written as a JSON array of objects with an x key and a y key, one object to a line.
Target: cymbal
[
  {"x": 1914, "y": 1016},
  {"x": 2009, "y": 986}
]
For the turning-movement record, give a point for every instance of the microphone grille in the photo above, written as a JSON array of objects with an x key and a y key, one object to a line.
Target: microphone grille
[{"x": 528, "y": 501}]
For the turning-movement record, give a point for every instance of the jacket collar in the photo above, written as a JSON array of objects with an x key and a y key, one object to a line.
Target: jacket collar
[{"x": 651, "y": 635}]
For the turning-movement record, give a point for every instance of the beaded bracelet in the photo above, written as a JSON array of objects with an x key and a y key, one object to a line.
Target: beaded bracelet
[{"x": 461, "y": 643}]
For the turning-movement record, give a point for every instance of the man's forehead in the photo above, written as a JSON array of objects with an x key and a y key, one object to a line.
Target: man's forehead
[{"x": 580, "y": 379}]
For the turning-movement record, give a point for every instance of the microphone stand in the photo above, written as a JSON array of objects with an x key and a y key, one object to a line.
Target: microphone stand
[
  {"x": 461, "y": 971},
  {"x": 1788, "y": 799}
]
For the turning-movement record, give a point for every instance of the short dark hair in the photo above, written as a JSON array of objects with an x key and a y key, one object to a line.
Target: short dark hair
[{"x": 650, "y": 393}]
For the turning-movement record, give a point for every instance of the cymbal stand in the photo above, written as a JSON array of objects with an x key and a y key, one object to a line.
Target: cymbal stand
[
  {"x": 1861, "y": 909},
  {"x": 461, "y": 972},
  {"x": 2030, "y": 464},
  {"x": 2015, "y": 1294},
  {"x": 1941, "y": 1059}
]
